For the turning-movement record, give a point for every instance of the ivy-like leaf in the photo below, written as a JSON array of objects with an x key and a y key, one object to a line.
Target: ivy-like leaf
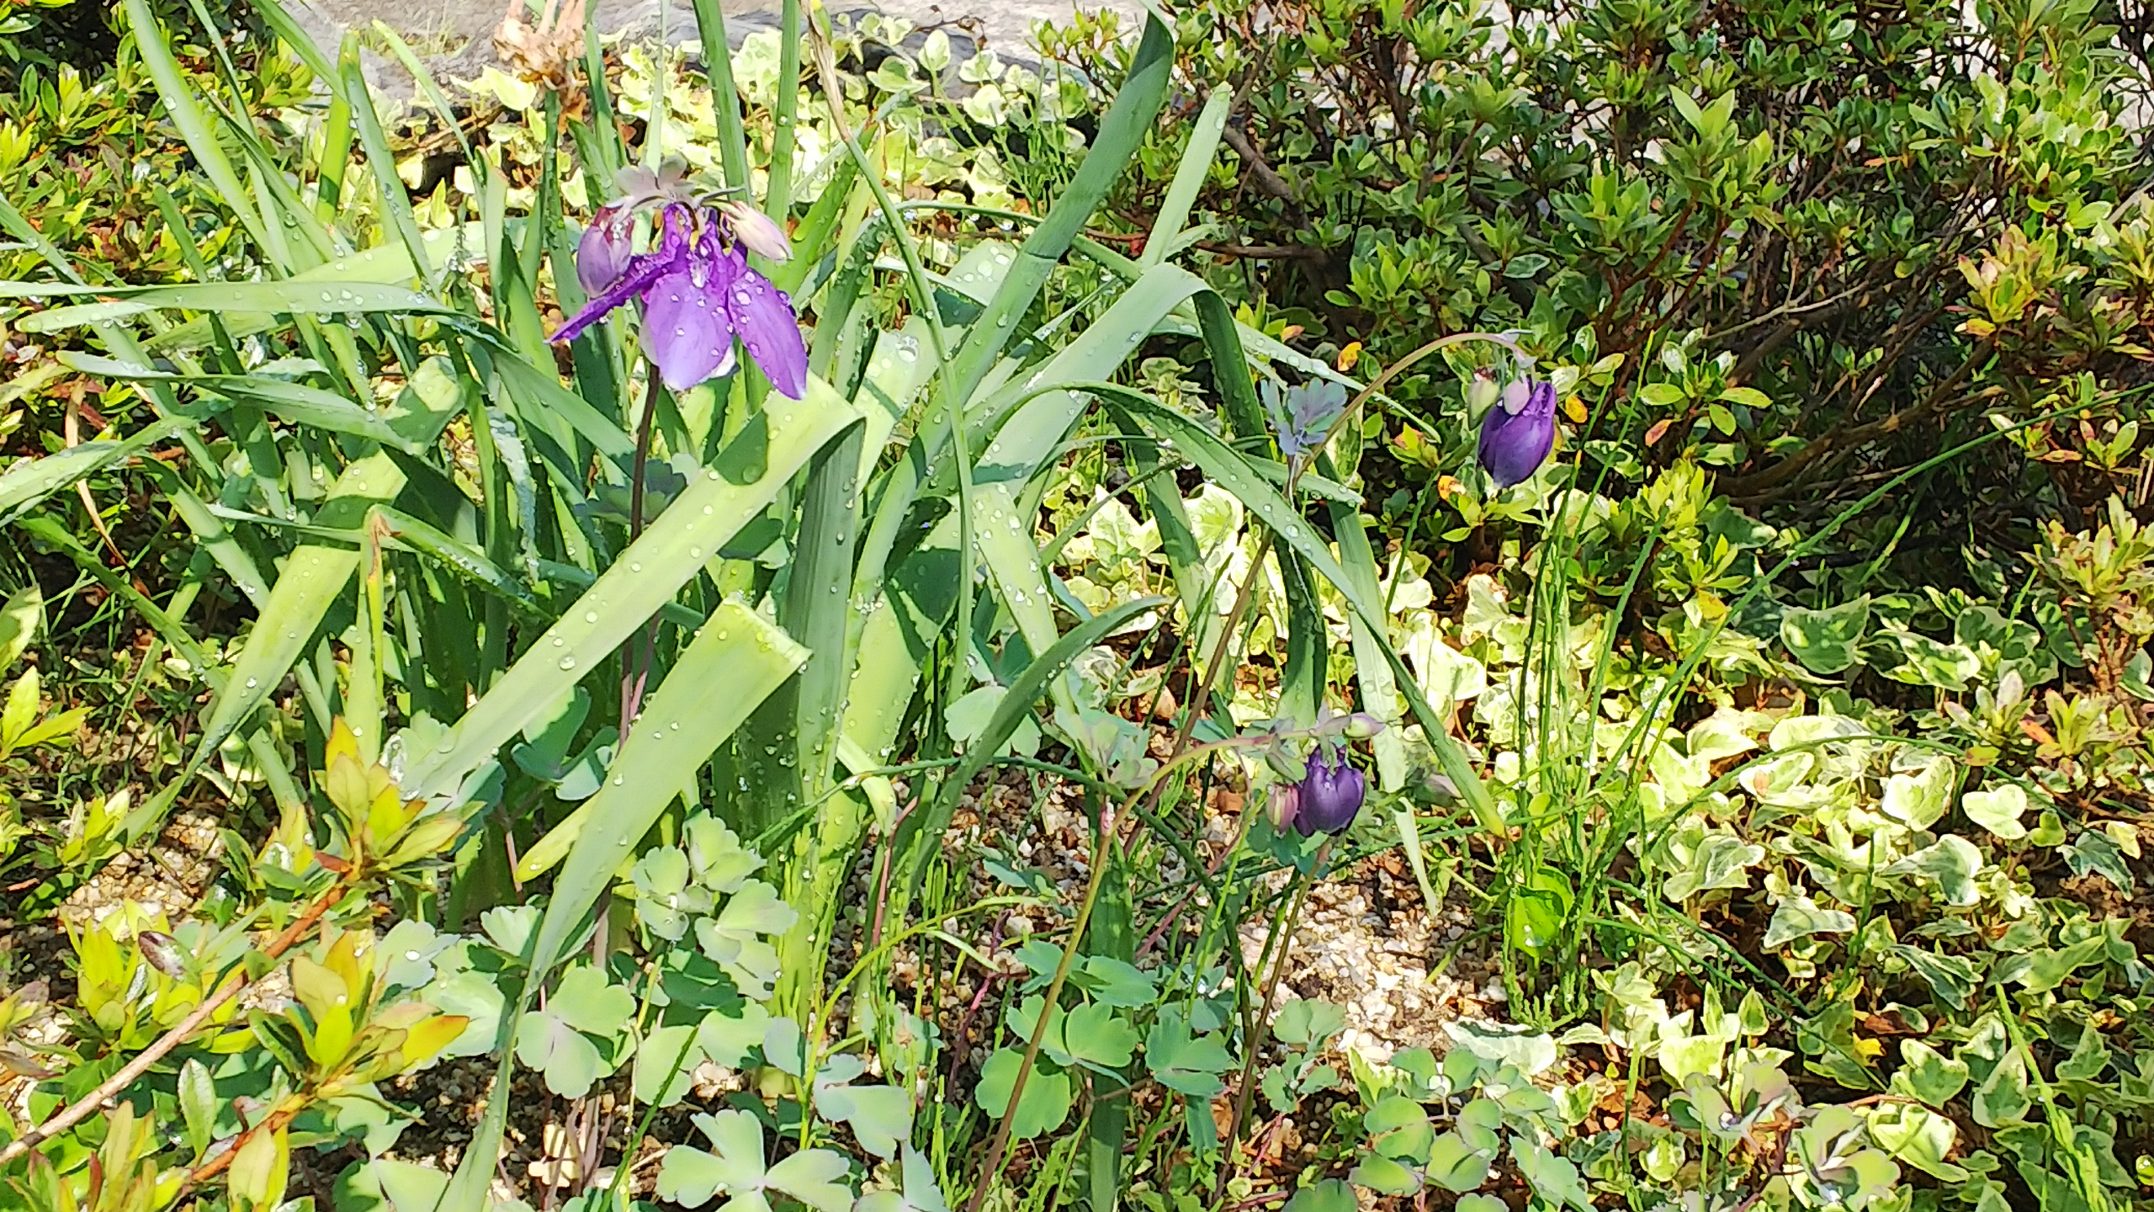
[{"x": 1798, "y": 917}]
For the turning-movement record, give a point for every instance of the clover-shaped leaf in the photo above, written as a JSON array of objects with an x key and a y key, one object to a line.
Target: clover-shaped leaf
[
  {"x": 1182, "y": 1060},
  {"x": 1044, "y": 1104},
  {"x": 667, "y": 898},
  {"x": 785, "y": 1048},
  {"x": 1455, "y": 1165},
  {"x": 1090, "y": 1035},
  {"x": 1385, "y": 1176},
  {"x": 665, "y": 1064},
  {"x": 729, "y": 1037},
  {"x": 720, "y": 862},
  {"x": 509, "y": 927},
  {"x": 575, "y": 1039},
  {"x": 919, "y": 1193},
  {"x": 477, "y": 997},
  {"x": 734, "y": 937},
  {"x": 1553, "y": 1179},
  {"x": 408, "y": 951},
  {"x": 1398, "y": 1128},
  {"x": 1111, "y": 982},
  {"x": 1331, "y": 1195},
  {"x": 735, "y": 1166},
  {"x": 880, "y": 1116},
  {"x": 1302, "y": 1022},
  {"x": 570, "y": 1062}
]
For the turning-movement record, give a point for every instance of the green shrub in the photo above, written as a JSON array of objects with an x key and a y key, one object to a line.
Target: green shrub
[{"x": 1825, "y": 238}]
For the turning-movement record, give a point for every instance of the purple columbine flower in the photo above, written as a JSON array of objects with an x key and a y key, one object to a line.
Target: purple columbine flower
[
  {"x": 1301, "y": 416},
  {"x": 698, "y": 295},
  {"x": 1329, "y": 795},
  {"x": 1519, "y": 431}
]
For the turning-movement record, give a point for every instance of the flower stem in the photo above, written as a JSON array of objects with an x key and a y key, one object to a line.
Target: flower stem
[
  {"x": 1258, "y": 1030},
  {"x": 1109, "y": 829}
]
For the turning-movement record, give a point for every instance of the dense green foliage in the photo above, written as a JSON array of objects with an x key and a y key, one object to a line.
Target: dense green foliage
[{"x": 448, "y": 769}]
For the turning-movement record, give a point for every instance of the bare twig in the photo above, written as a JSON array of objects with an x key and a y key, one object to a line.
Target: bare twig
[{"x": 112, "y": 1087}]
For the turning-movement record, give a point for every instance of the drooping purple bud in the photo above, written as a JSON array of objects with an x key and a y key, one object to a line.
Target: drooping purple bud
[
  {"x": 602, "y": 255},
  {"x": 1519, "y": 431},
  {"x": 1329, "y": 795},
  {"x": 756, "y": 231}
]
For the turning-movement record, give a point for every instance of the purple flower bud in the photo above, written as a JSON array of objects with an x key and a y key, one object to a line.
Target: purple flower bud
[
  {"x": 603, "y": 253},
  {"x": 756, "y": 231},
  {"x": 1329, "y": 794},
  {"x": 1519, "y": 431}
]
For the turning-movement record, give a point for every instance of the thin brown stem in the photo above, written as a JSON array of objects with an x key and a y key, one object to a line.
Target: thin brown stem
[
  {"x": 633, "y": 675},
  {"x": 1261, "y": 1027}
]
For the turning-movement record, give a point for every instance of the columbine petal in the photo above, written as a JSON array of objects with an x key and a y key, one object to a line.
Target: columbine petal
[
  {"x": 670, "y": 256},
  {"x": 1329, "y": 795},
  {"x": 685, "y": 331},
  {"x": 763, "y": 317},
  {"x": 603, "y": 254}
]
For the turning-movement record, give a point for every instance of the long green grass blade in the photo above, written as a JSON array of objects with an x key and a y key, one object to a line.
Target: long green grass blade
[
  {"x": 747, "y": 477},
  {"x": 153, "y": 45},
  {"x": 729, "y": 668},
  {"x": 1122, "y": 131},
  {"x": 725, "y": 99},
  {"x": 279, "y": 298},
  {"x": 313, "y": 578},
  {"x": 30, "y": 484},
  {"x": 410, "y": 432}
]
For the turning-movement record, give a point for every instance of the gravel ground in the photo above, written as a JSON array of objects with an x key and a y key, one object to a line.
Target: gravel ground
[{"x": 457, "y": 39}]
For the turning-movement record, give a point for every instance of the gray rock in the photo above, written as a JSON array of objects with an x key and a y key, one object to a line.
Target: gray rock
[{"x": 456, "y": 38}]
